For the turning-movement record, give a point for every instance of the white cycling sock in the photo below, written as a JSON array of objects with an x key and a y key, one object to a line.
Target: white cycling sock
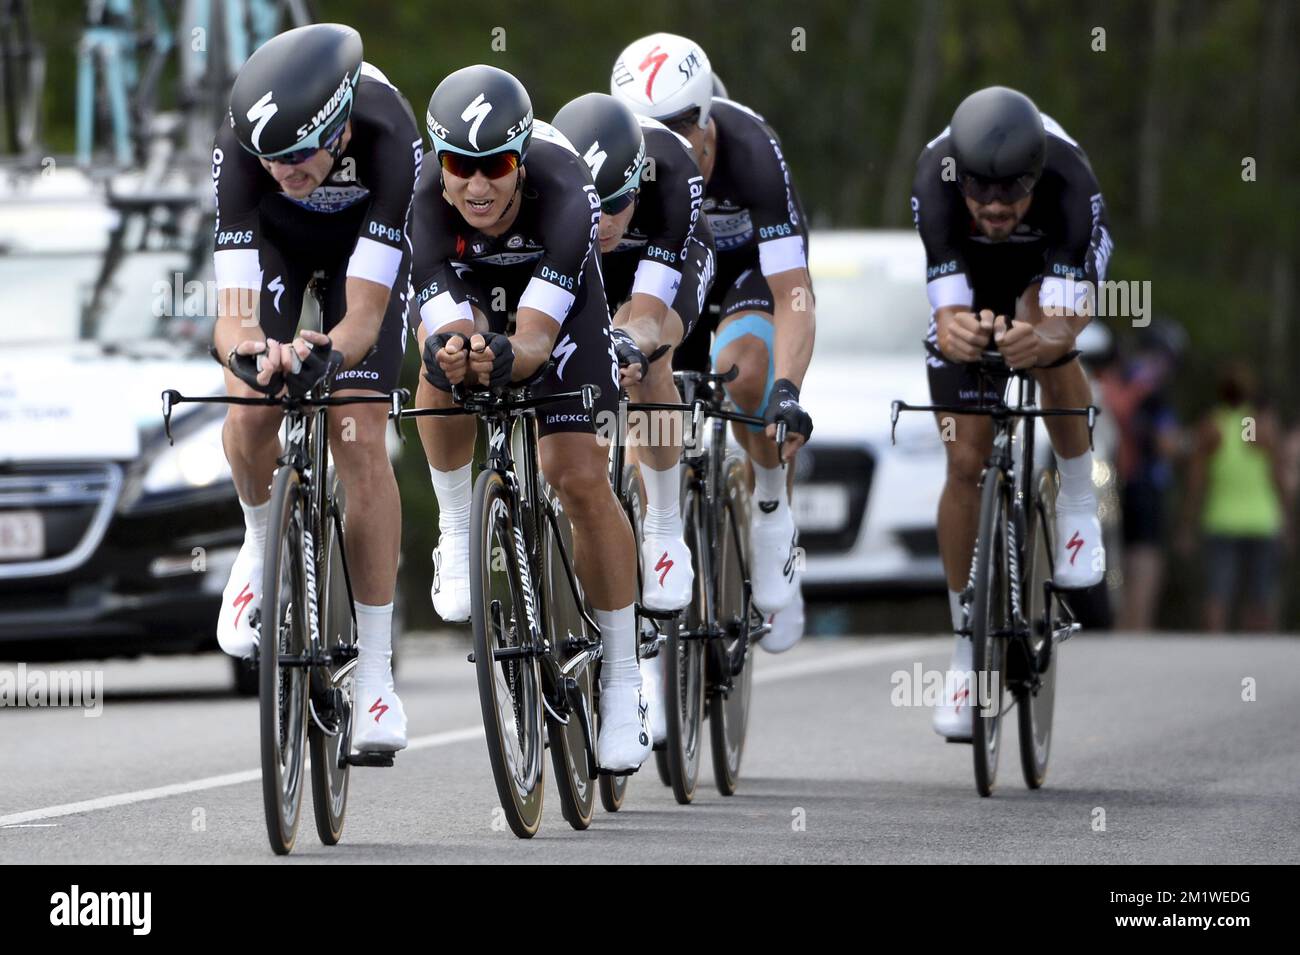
[
  {"x": 769, "y": 485},
  {"x": 374, "y": 642},
  {"x": 954, "y": 605},
  {"x": 1076, "y": 481},
  {"x": 455, "y": 494},
  {"x": 663, "y": 514},
  {"x": 618, "y": 637},
  {"x": 256, "y": 518}
]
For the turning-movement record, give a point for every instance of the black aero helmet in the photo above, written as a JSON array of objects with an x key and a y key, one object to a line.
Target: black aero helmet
[
  {"x": 997, "y": 136},
  {"x": 608, "y": 137},
  {"x": 479, "y": 111},
  {"x": 294, "y": 94}
]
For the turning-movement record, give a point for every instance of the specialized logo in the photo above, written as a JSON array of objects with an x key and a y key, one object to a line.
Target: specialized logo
[
  {"x": 240, "y": 602},
  {"x": 653, "y": 61},
  {"x": 1074, "y": 544},
  {"x": 381, "y": 706},
  {"x": 788, "y": 570},
  {"x": 767, "y": 507},
  {"x": 595, "y": 158},
  {"x": 564, "y": 350},
  {"x": 276, "y": 285},
  {"x": 476, "y": 111},
  {"x": 665, "y": 565},
  {"x": 260, "y": 113},
  {"x": 960, "y": 697}
]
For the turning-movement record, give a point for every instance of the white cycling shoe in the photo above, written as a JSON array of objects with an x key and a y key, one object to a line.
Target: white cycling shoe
[
  {"x": 954, "y": 717},
  {"x": 1080, "y": 553},
  {"x": 667, "y": 573},
  {"x": 624, "y": 740},
  {"x": 652, "y": 691},
  {"x": 773, "y": 546},
  {"x": 378, "y": 719},
  {"x": 787, "y": 626},
  {"x": 450, "y": 591},
  {"x": 240, "y": 602}
]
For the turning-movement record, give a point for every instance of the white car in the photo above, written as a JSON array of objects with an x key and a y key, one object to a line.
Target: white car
[{"x": 866, "y": 509}]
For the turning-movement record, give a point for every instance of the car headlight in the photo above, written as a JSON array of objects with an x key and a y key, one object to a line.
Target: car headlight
[{"x": 194, "y": 461}]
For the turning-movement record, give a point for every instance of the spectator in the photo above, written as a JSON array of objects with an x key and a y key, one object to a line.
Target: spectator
[
  {"x": 1236, "y": 492},
  {"x": 1136, "y": 396}
]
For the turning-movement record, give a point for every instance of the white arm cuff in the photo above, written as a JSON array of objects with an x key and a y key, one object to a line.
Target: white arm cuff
[
  {"x": 374, "y": 261},
  {"x": 949, "y": 290},
  {"x": 655, "y": 278},
  {"x": 237, "y": 268},
  {"x": 781, "y": 255},
  {"x": 440, "y": 311},
  {"x": 552, "y": 300}
]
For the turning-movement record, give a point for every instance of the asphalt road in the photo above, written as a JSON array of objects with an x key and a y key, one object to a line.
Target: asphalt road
[{"x": 1153, "y": 739}]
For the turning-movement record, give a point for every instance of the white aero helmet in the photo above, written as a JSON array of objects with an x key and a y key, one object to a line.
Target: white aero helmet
[{"x": 665, "y": 77}]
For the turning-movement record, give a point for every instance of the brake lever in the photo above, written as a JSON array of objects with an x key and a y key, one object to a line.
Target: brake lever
[
  {"x": 895, "y": 407},
  {"x": 398, "y": 397},
  {"x": 168, "y": 397},
  {"x": 780, "y": 442}
]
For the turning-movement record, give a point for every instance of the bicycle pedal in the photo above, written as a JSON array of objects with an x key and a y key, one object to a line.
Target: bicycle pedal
[
  {"x": 371, "y": 758},
  {"x": 617, "y": 772},
  {"x": 649, "y": 614}
]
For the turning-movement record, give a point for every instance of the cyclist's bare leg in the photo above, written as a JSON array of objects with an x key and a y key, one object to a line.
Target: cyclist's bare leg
[
  {"x": 746, "y": 391},
  {"x": 575, "y": 464},
  {"x": 663, "y": 447},
  {"x": 251, "y": 436},
  {"x": 967, "y": 442},
  {"x": 1065, "y": 386},
  {"x": 373, "y": 519}
]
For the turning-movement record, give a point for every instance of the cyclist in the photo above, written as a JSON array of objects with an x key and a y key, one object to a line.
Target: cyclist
[
  {"x": 657, "y": 262},
  {"x": 1015, "y": 232},
  {"x": 313, "y": 177},
  {"x": 763, "y": 293},
  {"x": 506, "y": 223}
]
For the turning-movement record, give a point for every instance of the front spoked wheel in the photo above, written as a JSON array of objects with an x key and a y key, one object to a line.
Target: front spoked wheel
[
  {"x": 282, "y": 693},
  {"x": 990, "y": 624},
  {"x": 1037, "y": 701},
  {"x": 734, "y": 672},
  {"x": 569, "y": 637},
  {"x": 330, "y": 707},
  {"x": 684, "y": 667},
  {"x": 509, "y": 683}
]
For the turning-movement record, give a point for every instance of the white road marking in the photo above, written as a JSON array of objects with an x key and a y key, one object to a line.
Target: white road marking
[{"x": 768, "y": 673}]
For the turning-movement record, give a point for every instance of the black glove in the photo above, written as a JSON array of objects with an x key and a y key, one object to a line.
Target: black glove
[
  {"x": 433, "y": 372},
  {"x": 320, "y": 364},
  {"x": 246, "y": 368},
  {"x": 503, "y": 359},
  {"x": 784, "y": 406},
  {"x": 626, "y": 350}
]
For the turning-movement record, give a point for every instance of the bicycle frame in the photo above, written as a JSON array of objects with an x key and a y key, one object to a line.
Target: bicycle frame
[{"x": 1018, "y": 469}]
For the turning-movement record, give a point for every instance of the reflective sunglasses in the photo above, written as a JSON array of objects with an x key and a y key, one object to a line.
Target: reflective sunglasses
[
  {"x": 326, "y": 138},
  {"x": 494, "y": 166},
  {"x": 614, "y": 206},
  {"x": 1005, "y": 191}
]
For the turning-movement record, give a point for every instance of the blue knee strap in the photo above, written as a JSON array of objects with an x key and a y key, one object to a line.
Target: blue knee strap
[{"x": 760, "y": 326}]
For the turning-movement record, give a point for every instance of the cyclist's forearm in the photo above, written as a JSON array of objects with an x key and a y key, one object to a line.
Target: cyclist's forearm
[
  {"x": 795, "y": 327},
  {"x": 234, "y": 325},
  {"x": 357, "y": 331},
  {"x": 644, "y": 321},
  {"x": 534, "y": 337}
]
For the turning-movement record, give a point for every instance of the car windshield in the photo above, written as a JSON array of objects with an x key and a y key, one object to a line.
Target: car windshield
[
  {"x": 869, "y": 303},
  {"x": 53, "y": 286},
  {"x": 43, "y": 296}
]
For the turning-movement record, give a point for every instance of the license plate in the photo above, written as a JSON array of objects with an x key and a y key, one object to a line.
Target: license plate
[
  {"x": 22, "y": 535},
  {"x": 821, "y": 507}
]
